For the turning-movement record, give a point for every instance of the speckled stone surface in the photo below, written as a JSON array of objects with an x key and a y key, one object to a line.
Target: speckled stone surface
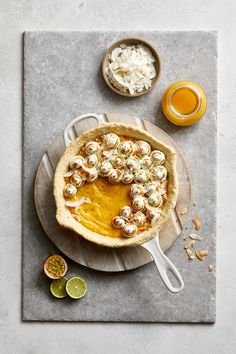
[{"x": 62, "y": 80}]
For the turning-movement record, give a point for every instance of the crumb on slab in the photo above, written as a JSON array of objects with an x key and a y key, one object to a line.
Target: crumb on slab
[{"x": 197, "y": 223}]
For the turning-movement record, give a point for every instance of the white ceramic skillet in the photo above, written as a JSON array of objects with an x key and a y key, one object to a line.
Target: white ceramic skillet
[{"x": 163, "y": 264}]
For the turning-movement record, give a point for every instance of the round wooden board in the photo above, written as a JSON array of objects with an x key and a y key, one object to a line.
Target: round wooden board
[{"x": 83, "y": 251}]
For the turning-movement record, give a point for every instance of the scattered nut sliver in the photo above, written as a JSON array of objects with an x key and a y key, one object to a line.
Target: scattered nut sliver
[
  {"x": 210, "y": 268},
  {"x": 204, "y": 253},
  {"x": 189, "y": 253},
  {"x": 189, "y": 244},
  {"x": 195, "y": 237},
  {"x": 197, "y": 223},
  {"x": 201, "y": 254}
]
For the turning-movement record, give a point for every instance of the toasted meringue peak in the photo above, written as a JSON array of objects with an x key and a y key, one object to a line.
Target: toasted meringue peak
[
  {"x": 92, "y": 160},
  {"x": 140, "y": 177},
  {"x": 91, "y": 175},
  {"x": 136, "y": 190},
  {"x": 142, "y": 148},
  {"x": 111, "y": 140},
  {"x": 105, "y": 168},
  {"x": 155, "y": 200},
  {"x": 133, "y": 163},
  {"x": 159, "y": 173},
  {"x": 158, "y": 157},
  {"x": 126, "y": 212},
  {"x": 151, "y": 188},
  {"x": 153, "y": 215},
  {"x": 138, "y": 203},
  {"x": 91, "y": 147},
  {"x": 76, "y": 162},
  {"x": 115, "y": 176},
  {"x": 69, "y": 190},
  {"x": 118, "y": 222},
  {"x": 127, "y": 178},
  {"x": 106, "y": 154},
  {"x": 77, "y": 180},
  {"x": 118, "y": 161},
  {"x": 139, "y": 218},
  {"x": 146, "y": 161},
  {"x": 126, "y": 147},
  {"x": 129, "y": 230}
]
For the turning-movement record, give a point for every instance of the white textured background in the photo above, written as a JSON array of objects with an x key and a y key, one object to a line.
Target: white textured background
[{"x": 42, "y": 338}]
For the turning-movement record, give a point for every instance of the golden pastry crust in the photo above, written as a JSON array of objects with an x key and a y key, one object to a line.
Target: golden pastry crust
[{"x": 63, "y": 214}]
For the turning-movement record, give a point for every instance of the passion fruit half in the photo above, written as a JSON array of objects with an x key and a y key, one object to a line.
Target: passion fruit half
[{"x": 55, "y": 267}]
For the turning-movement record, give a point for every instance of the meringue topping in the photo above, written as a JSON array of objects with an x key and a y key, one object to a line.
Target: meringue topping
[
  {"x": 138, "y": 203},
  {"x": 129, "y": 230},
  {"x": 126, "y": 212},
  {"x": 127, "y": 178},
  {"x": 140, "y": 177},
  {"x": 77, "y": 180},
  {"x": 91, "y": 147},
  {"x": 153, "y": 214},
  {"x": 133, "y": 163},
  {"x": 146, "y": 161},
  {"x": 118, "y": 161},
  {"x": 159, "y": 173},
  {"x": 126, "y": 161},
  {"x": 76, "y": 162},
  {"x": 115, "y": 176},
  {"x": 155, "y": 200},
  {"x": 118, "y": 222},
  {"x": 158, "y": 157},
  {"x": 142, "y": 148},
  {"x": 151, "y": 188},
  {"x": 111, "y": 140},
  {"x": 136, "y": 190},
  {"x": 105, "y": 168},
  {"x": 92, "y": 160},
  {"x": 69, "y": 190},
  {"x": 126, "y": 147},
  {"x": 139, "y": 218}
]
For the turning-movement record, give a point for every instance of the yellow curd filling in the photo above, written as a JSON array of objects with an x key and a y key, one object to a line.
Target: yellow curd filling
[{"x": 106, "y": 201}]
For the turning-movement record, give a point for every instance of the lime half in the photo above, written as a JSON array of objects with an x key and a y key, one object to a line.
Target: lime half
[
  {"x": 76, "y": 287},
  {"x": 58, "y": 288}
]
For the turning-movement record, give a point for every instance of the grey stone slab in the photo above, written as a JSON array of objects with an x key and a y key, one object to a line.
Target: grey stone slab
[{"x": 62, "y": 79}]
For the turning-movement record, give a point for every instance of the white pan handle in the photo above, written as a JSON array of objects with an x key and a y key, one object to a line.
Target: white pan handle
[
  {"x": 163, "y": 264},
  {"x": 98, "y": 118}
]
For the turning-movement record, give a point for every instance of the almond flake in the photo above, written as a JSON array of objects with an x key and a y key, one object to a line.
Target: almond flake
[
  {"x": 210, "y": 268},
  {"x": 184, "y": 211},
  {"x": 195, "y": 237},
  {"x": 190, "y": 254},
  {"x": 189, "y": 244},
  {"x": 197, "y": 223},
  {"x": 204, "y": 253},
  {"x": 199, "y": 255}
]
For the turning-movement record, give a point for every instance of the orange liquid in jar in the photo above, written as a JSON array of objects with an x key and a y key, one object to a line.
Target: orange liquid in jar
[{"x": 184, "y": 101}]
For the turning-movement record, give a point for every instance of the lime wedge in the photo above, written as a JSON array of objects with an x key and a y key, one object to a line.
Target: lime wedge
[
  {"x": 58, "y": 288},
  {"x": 76, "y": 287}
]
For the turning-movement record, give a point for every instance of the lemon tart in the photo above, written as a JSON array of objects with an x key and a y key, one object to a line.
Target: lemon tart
[{"x": 116, "y": 185}]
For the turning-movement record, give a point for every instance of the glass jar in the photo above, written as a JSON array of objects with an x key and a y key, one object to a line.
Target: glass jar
[{"x": 184, "y": 103}]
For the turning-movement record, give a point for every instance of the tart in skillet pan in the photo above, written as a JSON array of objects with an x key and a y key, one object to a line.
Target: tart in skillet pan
[{"x": 116, "y": 185}]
